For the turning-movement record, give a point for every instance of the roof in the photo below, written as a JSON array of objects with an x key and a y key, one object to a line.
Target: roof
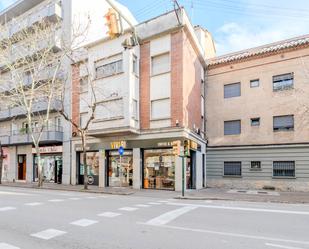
[{"x": 262, "y": 50}]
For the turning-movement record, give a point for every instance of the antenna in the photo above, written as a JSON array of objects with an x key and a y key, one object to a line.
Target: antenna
[
  {"x": 176, "y": 4},
  {"x": 192, "y": 11}
]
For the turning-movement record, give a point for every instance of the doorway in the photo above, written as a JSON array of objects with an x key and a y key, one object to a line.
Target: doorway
[
  {"x": 22, "y": 164},
  {"x": 191, "y": 171}
]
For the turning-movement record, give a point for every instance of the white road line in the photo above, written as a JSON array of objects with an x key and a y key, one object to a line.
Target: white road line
[
  {"x": 129, "y": 209},
  {"x": 154, "y": 203},
  {"x": 3, "y": 209},
  {"x": 7, "y": 246},
  {"x": 109, "y": 214},
  {"x": 242, "y": 209},
  {"x": 74, "y": 198},
  {"x": 169, "y": 216},
  {"x": 238, "y": 235},
  {"x": 56, "y": 200},
  {"x": 33, "y": 204},
  {"x": 91, "y": 197},
  {"x": 163, "y": 201},
  {"x": 142, "y": 205},
  {"x": 48, "y": 234},
  {"x": 14, "y": 193},
  {"x": 84, "y": 222},
  {"x": 281, "y": 246}
]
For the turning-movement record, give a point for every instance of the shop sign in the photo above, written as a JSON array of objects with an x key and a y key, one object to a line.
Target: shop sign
[
  {"x": 116, "y": 145},
  {"x": 193, "y": 145},
  {"x": 166, "y": 144},
  {"x": 48, "y": 150}
]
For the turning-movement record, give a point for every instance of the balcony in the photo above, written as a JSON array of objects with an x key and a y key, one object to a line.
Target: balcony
[
  {"x": 4, "y": 139},
  {"x": 53, "y": 134},
  {"x": 51, "y": 13},
  {"x": 38, "y": 107}
]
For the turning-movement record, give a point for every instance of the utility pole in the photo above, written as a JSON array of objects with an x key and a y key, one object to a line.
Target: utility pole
[{"x": 1, "y": 162}]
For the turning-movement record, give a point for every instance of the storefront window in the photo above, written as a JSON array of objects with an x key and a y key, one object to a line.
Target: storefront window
[
  {"x": 120, "y": 170},
  {"x": 92, "y": 159},
  {"x": 52, "y": 168},
  {"x": 159, "y": 169}
]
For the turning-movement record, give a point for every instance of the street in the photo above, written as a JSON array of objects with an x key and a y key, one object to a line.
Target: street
[{"x": 32, "y": 218}]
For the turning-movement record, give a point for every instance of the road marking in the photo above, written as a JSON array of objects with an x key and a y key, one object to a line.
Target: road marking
[
  {"x": 3, "y": 209},
  {"x": 163, "y": 201},
  {"x": 238, "y": 235},
  {"x": 243, "y": 209},
  {"x": 32, "y": 204},
  {"x": 169, "y": 216},
  {"x": 14, "y": 193},
  {"x": 74, "y": 198},
  {"x": 129, "y": 209},
  {"x": 281, "y": 246},
  {"x": 109, "y": 214},
  {"x": 7, "y": 246},
  {"x": 48, "y": 234},
  {"x": 208, "y": 201},
  {"x": 56, "y": 200},
  {"x": 142, "y": 205},
  {"x": 91, "y": 197},
  {"x": 84, "y": 222},
  {"x": 154, "y": 203}
]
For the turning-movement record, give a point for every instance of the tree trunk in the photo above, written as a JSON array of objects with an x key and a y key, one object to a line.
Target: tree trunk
[
  {"x": 85, "y": 161},
  {"x": 40, "y": 167},
  {"x": 1, "y": 163}
]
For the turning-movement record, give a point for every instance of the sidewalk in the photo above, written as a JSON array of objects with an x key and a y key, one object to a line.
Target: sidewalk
[{"x": 204, "y": 194}]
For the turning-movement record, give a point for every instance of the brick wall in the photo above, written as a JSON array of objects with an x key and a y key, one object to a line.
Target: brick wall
[
  {"x": 75, "y": 95},
  {"x": 176, "y": 78},
  {"x": 145, "y": 85}
]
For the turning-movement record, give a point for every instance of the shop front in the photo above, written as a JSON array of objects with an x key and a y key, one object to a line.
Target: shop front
[
  {"x": 159, "y": 169},
  {"x": 120, "y": 168},
  {"x": 92, "y": 160},
  {"x": 51, "y": 160}
]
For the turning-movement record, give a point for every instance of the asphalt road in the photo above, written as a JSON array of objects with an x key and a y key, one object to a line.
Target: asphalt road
[{"x": 44, "y": 219}]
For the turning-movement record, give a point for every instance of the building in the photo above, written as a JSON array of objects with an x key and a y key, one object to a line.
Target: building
[
  {"x": 257, "y": 117},
  {"x": 149, "y": 97},
  {"x": 20, "y": 163}
]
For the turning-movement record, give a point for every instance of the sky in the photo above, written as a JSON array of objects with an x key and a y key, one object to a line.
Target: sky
[{"x": 234, "y": 24}]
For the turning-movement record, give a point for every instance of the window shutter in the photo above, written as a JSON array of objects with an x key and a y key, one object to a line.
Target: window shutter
[
  {"x": 232, "y": 127},
  {"x": 232, "y": 90},
  {"x": 284, "y": 122}
]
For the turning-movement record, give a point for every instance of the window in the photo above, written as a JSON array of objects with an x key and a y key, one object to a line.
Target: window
[
  {"x": 109, "y": 66},
  {"x": 284, "y": 169},
  {"x": 231, "y": 90},
  {"x": 83, "y": 84},
  {"x": 110, "y": 109},
  {"x": 254, "y": 83},
  {"x": 255, "y": 121},
  {"x": 135, "y": 109},
  {"x": 232, "y": 168},
  {"x": 134, "y": 65},
  {"x": 232, "y": 127},
  {"x": 160, "y": 64},
  {"x": 160, "y": 109},
  {"x": 255, "y": 165},
  {"x": 83, "y": 119},
  {"x": 283, "y": 123},
  {"x": 283, "y": 81}
]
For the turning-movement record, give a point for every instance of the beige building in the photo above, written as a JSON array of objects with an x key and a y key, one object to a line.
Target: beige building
[{"x": 257, "y": 117}]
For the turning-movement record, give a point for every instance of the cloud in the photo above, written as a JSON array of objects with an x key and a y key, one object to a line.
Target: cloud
[{"x": 261, "y": 24}]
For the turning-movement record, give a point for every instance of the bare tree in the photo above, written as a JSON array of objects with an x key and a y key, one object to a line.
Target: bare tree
[
  {"x": 31, "y": 72},
  {"x": 82, "y": 127}
]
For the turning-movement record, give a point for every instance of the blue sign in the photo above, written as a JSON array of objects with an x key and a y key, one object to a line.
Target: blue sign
[{"x": 121, "y": 151}]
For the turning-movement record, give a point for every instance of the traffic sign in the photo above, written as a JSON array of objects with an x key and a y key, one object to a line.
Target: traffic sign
[{"x": 121, "y": 151}]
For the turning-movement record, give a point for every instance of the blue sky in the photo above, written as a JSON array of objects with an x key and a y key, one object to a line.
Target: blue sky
[{"x": 234, "y": 24}]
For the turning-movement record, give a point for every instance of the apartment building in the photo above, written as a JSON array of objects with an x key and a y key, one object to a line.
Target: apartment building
[
  {"x": 257, "y": 117},
  {"x": 148, "y": 97},
  {"x": 20, "y": 162}
]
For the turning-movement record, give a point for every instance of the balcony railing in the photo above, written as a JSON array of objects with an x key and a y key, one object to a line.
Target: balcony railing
[
  {"x": 51, "y": 12},
  {"x": 51, "y": 134},
  {"x": 38, "y": 107}
]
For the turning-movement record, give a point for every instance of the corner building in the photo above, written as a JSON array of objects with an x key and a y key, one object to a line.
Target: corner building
[{"x": 148, "y": 97}]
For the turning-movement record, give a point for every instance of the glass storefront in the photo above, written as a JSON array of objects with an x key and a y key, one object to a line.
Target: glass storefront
[
  {"x": 52, "y": 168},
  {"x": 159, "y": 169},
  {"x": 120, "y": 169},
  {"x": 92, "y": 159}
]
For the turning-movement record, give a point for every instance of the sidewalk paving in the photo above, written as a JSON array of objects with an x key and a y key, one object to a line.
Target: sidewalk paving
[{"x": 204, "y": 194}]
